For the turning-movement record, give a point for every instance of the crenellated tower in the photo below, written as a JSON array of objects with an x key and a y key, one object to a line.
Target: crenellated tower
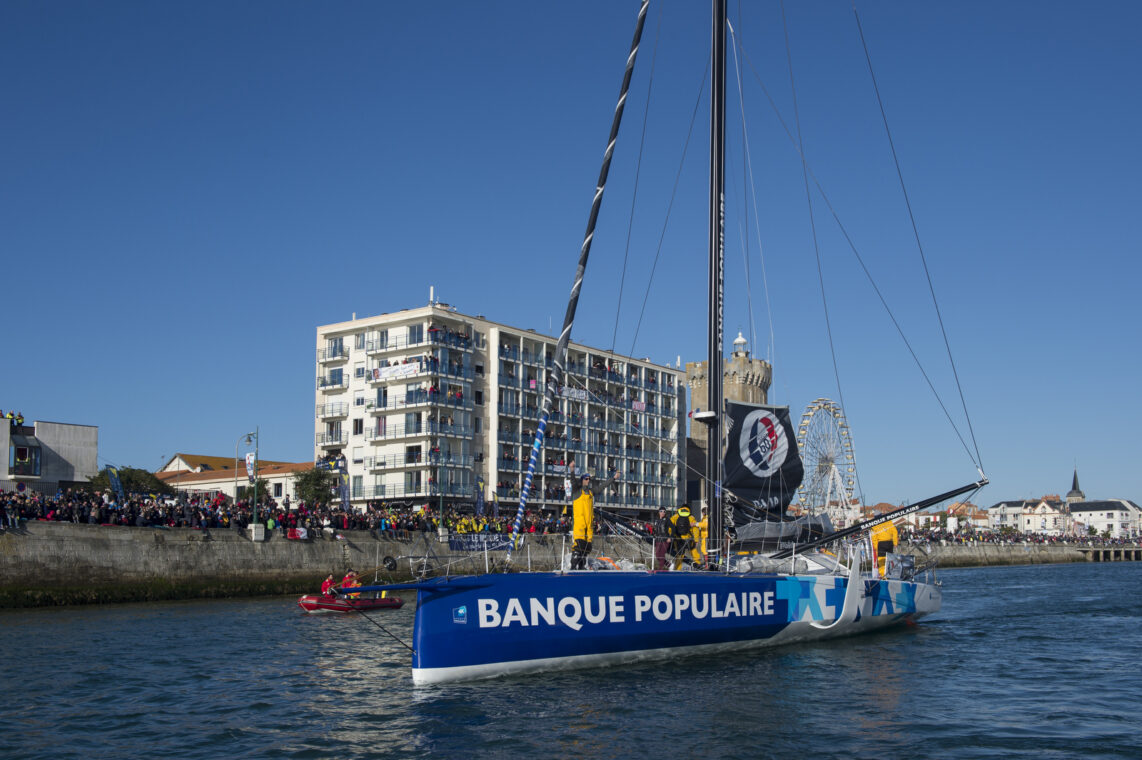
[{"x": 744, "y": 378}]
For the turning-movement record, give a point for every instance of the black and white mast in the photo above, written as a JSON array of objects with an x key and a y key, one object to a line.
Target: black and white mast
[
  {"x": 555, "y": 377},
  {"x": 712, "y": 418}
]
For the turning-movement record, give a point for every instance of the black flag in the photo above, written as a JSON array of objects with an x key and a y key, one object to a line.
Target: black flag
[{"x": 763, "y": 465}]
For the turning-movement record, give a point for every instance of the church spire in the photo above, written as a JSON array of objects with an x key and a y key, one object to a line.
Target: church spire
[{"x": 1076, "y": 493}]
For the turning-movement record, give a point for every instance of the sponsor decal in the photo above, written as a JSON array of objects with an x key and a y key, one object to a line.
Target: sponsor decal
[
  {"x": 577, "y": 612},
  {"x": 460, "y": 615},
  {"x": 762, "y": 443}
]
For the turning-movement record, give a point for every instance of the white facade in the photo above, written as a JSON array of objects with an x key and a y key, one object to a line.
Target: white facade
[
  {"x": 1117, "y": 518},
  {"x": 1047, "y": 518},
  {"x": 1006, "y": 514},
  {"x": 425, "y": 404}
]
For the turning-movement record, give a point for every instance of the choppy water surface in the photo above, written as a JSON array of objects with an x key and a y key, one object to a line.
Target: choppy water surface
[{"x": 1022, "y": 662}]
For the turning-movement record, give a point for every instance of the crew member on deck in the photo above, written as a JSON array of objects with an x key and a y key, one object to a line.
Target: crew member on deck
[
  {"x": 583, "y": 515},
  {"x": 884, "y": 538},
  {"x": 701, "y": 532},
  {"x": 682, "y": 534},
  {"x": 661, "y": 539},
  {"x": 327, "y": 585}
]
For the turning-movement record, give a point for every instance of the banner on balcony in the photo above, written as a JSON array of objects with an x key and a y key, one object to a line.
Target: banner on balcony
[{"x": 396, "y": 371}]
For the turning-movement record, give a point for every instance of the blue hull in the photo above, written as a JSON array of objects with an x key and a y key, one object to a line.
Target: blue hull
[{"x": 488, "y": 625}]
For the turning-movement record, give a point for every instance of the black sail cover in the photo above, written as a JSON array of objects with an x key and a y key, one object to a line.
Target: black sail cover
[{"x": 762, "y": 464}]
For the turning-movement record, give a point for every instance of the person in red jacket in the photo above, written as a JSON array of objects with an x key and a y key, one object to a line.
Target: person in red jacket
[{"x": 327, "y": 585}]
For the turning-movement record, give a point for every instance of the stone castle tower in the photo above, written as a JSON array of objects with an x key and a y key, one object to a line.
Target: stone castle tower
[{"x": 743, "y": 379}]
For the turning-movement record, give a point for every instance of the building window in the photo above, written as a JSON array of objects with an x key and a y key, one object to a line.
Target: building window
[
  {"x": 479, "y": 421},
  {"x": 358, "y": 427},
  {"x": 358, "y": 455},
  {"x": 479, "y": 396},
  {"x": 277, "y": 490},
  {"x": 359, "y": 341},
  {"x": 415, "y": 334},
  {"x": 358, "y": 486},
  {"x": 359, "y": 369}
]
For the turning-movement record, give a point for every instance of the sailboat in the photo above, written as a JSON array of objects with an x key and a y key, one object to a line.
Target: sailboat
[{"x": 501, "y": 623}]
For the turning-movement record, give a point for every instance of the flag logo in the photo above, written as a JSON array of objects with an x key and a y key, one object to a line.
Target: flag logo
[{"x": 762, "y": 443}]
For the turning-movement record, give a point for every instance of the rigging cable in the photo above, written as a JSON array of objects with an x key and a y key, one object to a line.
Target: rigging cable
[
  {"x": 669, "y": 208},
  {"x": 386, "y": 630},
  {"x": 916, "y": 233},
  {"x": 813, "y": 228},
  {"x": 637, "y": 176},
  {"x": 864, "y": 267},
  {"x": 751, "y": 193}
]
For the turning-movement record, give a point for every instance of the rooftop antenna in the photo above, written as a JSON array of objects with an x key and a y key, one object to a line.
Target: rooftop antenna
[{"x": 431, "y": 294}]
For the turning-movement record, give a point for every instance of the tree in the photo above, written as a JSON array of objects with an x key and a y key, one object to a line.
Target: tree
[
  {"x": 133, "y": 480},
  {"x": 314, "y": 485}
]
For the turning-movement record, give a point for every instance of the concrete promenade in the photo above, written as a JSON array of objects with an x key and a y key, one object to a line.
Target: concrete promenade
[{"x": 51, "y": 563}]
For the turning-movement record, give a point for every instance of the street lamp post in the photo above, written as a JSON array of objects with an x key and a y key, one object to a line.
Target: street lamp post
[{"x": 250, "y": 438}]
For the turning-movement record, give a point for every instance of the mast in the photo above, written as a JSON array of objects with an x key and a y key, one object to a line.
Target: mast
[{"x": 714, "y": 513}]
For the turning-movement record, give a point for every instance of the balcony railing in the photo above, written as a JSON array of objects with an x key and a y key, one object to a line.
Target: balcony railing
[
  {"x": 339, "y": 409},
  {"x": 332, "y": 439},
  {"x": 395, "y": 431},
  {"x": 326, "y": 383},
  {"x": 332, "y": 354}
]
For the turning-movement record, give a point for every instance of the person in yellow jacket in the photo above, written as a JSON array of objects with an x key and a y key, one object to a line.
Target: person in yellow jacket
[
  {"x": 583, "y": 515},
  {"x": 683, "y": 546},
  {"x": 701, "y": 533},
  {"x": 884, "y": 540}
]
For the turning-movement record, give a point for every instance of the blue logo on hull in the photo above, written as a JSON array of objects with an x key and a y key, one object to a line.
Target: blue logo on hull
[{"x": 460, "y": 614}]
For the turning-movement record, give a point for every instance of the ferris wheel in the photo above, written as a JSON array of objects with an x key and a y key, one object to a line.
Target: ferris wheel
[{"x": 827, "y": 455}]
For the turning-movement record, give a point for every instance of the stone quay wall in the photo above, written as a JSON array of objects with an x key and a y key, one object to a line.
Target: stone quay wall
[{"x": 49, "y": 563}]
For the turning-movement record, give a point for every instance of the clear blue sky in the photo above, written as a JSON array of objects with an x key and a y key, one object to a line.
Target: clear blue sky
[{"x": 188, "y": 189}]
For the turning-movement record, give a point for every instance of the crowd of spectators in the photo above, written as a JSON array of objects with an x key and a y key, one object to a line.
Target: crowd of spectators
[
  {"x": 396, "y": 522},
  {"x": 979, "y": 536},
  {"x": 392, "y": 521}
]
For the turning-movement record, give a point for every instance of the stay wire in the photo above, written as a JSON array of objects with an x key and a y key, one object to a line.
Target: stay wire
[
  {"x": 860, "y": 260},
  {"x": 394, "y": 637},
  {"x": 637, "y": 177},
  {"x": 669, "y": 209},
  {"x": 743, "y": 223},
  {"x": 916, "y": 233},
  {"x": 751, "y": 195},
  {"x": 813, "y": 228}
]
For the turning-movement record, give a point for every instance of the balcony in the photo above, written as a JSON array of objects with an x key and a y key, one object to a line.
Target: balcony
[
  {"x": 450, "y": 429},
  {"x": 375, "y": 464},
  {"x": 332, "y": 384},
  {"x": 331, "y": 440},
  {"x": 325, "y": 355},
  {"x": 449, "y": 460},
  {"x": 329, "y": 411},
  {"x": 445, "y": 336},
  {"x": 393, "y": 343},
  {"x": 392, "y": 432}
]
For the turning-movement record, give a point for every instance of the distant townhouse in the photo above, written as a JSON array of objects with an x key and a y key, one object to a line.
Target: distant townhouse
[
  {"x": 202, "y": 475},
  {"x": 429, "y": 405},
  {"x": 1007, "y": 514},
  {"x": 1117, "y": 518},
  {"x": 47, "y": 456}
]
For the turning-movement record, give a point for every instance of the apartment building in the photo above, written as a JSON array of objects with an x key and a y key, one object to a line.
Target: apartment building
[{"x": 429, "y": 405}]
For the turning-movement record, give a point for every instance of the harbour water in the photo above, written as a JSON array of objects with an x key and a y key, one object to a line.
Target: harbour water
[{"x": 1038, "y": 661}]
